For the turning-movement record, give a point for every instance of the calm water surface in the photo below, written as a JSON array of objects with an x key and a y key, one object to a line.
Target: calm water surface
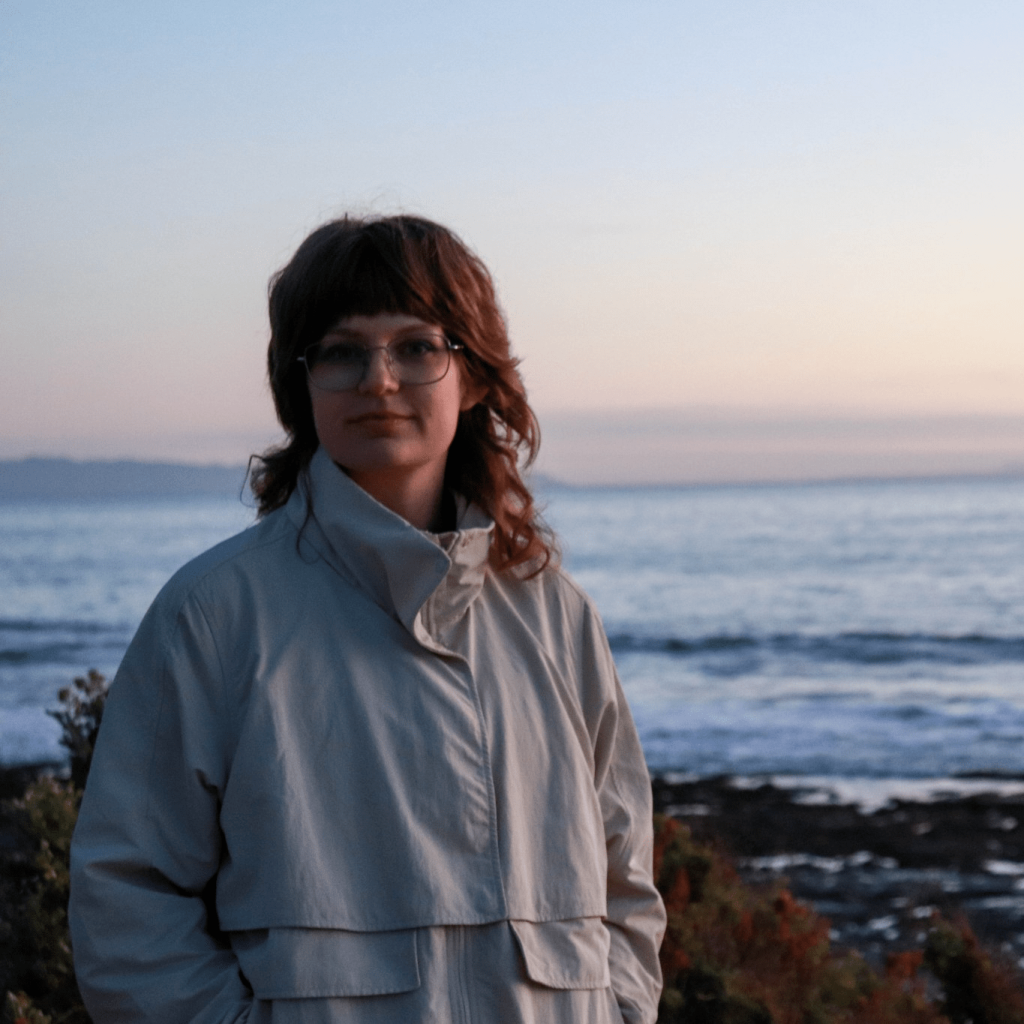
[{"x": 851, "y": 630}]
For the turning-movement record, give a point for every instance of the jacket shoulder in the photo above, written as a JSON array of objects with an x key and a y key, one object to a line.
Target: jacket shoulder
[
  {"x": 244, "y": 553},
  {"x": 556, "y": 608},
  {"x": 556, "y": 588}
]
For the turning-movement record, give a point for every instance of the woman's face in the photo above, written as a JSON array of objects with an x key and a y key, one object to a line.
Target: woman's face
[{"x": 383, "y": 433}]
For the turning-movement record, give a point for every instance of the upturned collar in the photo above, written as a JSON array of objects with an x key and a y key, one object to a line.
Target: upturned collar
[{"x": 413, "y": 575}]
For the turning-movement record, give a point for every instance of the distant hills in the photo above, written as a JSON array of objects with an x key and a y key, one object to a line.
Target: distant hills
[{"x": 45, "y": 479}]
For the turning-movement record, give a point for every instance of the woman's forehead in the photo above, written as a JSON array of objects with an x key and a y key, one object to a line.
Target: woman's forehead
[{"x": 373, "y": 325}]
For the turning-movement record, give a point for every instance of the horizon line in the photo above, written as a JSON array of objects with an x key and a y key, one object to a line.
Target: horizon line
[{"x": 541, "y": 480}]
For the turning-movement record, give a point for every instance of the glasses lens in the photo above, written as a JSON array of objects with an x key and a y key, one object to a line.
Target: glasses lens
[
  {"x": 342, "y": 365},
  {"x": 335, "y": 367},
  {"x": 419, "y": 360}
]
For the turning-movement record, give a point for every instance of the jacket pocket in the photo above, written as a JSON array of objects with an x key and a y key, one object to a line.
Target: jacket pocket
[
  {"x": 565, "y": 954},
  {"x": 307, "y": 963}
]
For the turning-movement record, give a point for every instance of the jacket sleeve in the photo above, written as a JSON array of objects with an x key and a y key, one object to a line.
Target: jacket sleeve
[
  {"x": 636, "y": 914},
  {"x": 148, "y": 843}
]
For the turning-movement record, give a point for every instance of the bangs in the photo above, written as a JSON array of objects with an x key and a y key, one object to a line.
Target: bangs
[
  {"x": 396, "y": 265},
  {"x": 378, "y": 272}
]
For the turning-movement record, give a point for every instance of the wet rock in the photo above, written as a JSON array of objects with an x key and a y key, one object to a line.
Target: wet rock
[{"x": 877, "y": 875}]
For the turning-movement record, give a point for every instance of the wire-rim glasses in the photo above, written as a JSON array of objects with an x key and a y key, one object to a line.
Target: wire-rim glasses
[{"x": 337, "y": 364}]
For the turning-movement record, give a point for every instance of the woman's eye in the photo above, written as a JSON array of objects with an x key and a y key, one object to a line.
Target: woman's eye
[
  {"x": 341, "y": 355},
  {"x": 417, "y": 348}
]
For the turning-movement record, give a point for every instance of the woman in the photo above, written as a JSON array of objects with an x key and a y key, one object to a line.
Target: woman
[{"x": 369, "y": 760}]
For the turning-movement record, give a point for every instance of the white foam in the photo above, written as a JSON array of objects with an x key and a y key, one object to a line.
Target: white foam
[
  {"x": 1004, "y": 867},
  {"x": 780, "y": 862},
  {"x": 870, "y": 795}
]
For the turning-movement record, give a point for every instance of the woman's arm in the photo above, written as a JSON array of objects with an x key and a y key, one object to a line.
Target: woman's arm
[
  {"x": 148, "y": 843},
  {"x": 636, "y": 914}
]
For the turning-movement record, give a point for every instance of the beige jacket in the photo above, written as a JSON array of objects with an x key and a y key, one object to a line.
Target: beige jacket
[{"x": 350, "y": 730}]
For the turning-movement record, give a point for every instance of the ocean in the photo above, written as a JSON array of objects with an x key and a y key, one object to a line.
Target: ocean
[{"x": 844, "y": 631}]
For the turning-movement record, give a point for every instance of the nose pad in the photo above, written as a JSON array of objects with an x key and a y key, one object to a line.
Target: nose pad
[{"x": 379, "y": 375}]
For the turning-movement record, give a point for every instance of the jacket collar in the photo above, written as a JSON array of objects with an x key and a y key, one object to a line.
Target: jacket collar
[{"x": 399, "y": 567}]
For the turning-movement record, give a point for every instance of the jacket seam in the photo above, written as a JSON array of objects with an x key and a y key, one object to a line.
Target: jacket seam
[
  {"x": 150, "y": 789},
  {"x": 193, "y": 585},
  {"x": 613, "y": 778},
  {"x": 223, "y": 688}
]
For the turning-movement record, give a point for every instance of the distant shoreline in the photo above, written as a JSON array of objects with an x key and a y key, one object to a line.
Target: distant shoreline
[
  {"x": 540, "y": 481},
  {"x": 57, "y": 479},
  {"x": 46, "y": 478}
]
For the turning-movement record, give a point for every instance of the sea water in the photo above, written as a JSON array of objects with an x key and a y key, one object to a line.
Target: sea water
[
  {"x": 839, "y": 630},
  {"x": 75, "y": 580}
]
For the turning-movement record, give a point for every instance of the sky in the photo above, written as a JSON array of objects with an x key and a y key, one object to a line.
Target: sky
[{"x": 743, "y": 240}]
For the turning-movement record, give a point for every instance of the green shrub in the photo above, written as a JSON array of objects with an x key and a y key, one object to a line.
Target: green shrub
[
  {"x": 36, "y": 969},
  {"x": 79, "y": 715},
  {"x": 977, "y": 989}
]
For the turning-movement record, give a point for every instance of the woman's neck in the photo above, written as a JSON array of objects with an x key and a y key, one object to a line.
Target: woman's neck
[{"x": 417, "y": 497}]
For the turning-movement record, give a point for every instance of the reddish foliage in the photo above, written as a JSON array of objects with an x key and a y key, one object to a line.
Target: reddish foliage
[
  {"x": 736, "y": 953},
  {"x": 903, "y": 967}
]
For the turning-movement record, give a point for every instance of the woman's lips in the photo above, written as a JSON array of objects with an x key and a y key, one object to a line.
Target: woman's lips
[
  {"x": 379, "y": 417},
  {"x": 385, "y": 423}
]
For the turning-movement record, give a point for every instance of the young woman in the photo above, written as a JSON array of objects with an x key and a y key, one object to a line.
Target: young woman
[{"x": 369, "y": 761}]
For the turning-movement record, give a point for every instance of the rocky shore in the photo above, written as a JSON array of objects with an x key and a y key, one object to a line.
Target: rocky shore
[{"x": 877, "y": 868}]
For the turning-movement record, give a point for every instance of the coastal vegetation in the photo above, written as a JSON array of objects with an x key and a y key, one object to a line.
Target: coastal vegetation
[
  {"x": 733, "y": 954},
  {"x": 740, "y": 954}
]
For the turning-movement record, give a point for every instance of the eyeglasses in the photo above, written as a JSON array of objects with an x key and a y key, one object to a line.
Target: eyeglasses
[{"x": 343, "y": 365}]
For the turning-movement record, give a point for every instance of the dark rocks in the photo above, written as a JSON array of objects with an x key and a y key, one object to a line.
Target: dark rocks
[{"x": 877, "y": 876}]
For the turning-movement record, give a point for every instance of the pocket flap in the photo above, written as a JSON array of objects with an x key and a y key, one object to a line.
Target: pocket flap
[
  {"x": 305, "y": 963},
  {"x": 565, "y": 954}
]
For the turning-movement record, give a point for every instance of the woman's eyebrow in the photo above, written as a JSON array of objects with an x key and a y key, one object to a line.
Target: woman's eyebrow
[
  {"x": 353, "y": 334},
  {"x": 340, "y": 334}
]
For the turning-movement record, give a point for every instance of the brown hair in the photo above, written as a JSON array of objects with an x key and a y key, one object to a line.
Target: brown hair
[{"x": 410, "y": 265}]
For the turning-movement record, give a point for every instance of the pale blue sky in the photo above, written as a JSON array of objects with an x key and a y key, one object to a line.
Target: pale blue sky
[{"x": 757, "y": 210}]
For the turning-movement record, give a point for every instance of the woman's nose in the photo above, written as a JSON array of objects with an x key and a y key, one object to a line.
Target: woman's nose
[{"x": 379, "y": 376}]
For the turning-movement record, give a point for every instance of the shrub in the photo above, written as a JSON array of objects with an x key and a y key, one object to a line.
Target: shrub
[
  {"x": 19, "y": 1009},
  {"x": 79, "y": 715},
  {"x": 978, "y": 988},
  {"x": 736, "y": 954},
  {"x": 35, "y": 948}
]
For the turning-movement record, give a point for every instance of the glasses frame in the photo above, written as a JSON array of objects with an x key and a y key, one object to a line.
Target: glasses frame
[{"x": 450, "y": 347}]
